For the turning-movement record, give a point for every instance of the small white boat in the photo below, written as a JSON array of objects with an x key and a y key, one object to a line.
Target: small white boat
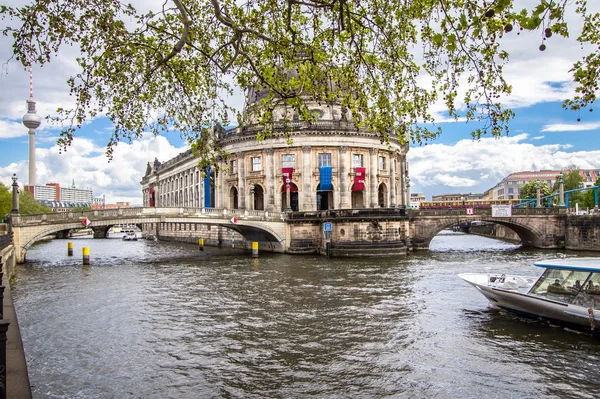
[
  {"x": 567, "y": 292},
  {"x": 122, "y": 231},
  {"x": 131, "y": 236}
]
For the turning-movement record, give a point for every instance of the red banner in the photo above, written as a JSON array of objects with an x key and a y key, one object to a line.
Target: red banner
[
  {"x": 287, "y": 174},
  {"x": 359, "y": 180},
  {"x": 151, "y": 196}
]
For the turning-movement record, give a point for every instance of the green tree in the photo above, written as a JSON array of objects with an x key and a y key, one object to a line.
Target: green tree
[
  {"x": 80, "y": 208},
  {"x": 29, "y": 206},
  {"x": 573, "y": 180},
  {"x": 5, "y": 201},
  {"x": 589, "y": 200},
  {"x": 529, "y": 191},
  {"x": 181, "y": 59}
]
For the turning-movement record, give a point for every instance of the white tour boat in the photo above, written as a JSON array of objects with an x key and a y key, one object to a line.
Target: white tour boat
[
  {"x": 567, "y": 292},
  {"x": 124, "y": 232}
]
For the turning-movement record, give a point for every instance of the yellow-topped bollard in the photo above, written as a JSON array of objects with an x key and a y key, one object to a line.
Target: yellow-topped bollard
[
  {"x": 254, "y": 249},
  {"x": 86, "y": 255},
  {"x": 201, "y": 244},
  {"x": 70, "y": 248}
]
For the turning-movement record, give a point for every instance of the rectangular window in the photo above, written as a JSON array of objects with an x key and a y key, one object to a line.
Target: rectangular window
[
  {"x": 510, "y": 190},
  {"x": 382, "y": 163},
  {"x": 233, "y": 166},
  {"x": 357, "y": 160},
  {"x": 256, "y": 164},
  {"x": 288, "y": 161},
  {"x": 324, "y": 159}
]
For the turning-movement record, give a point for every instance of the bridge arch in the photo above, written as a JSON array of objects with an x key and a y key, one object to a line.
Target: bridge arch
[
  {"x": 426, "y": 230},
  {"x": 268, "y": 229}
]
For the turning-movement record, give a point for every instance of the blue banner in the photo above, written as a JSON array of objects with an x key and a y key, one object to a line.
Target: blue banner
[
  {"x": 207, "y": 188},
  {"x": 325, "y": 179}
]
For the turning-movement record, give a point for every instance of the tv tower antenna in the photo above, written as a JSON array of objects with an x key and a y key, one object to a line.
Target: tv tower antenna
[{"x": 32, "y": 121}]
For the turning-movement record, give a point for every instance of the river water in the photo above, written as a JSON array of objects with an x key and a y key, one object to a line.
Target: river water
[{"x": 164, "y": 320}]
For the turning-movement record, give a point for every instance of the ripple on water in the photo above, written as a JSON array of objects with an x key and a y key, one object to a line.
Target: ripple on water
[{"x": 151, "y": 319}]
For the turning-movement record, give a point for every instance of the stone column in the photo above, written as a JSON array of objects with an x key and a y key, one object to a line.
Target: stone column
[
  {"x": 392, "y": 203},
  {"x": 402, "y": 183},
  {"x": 307, "y": 195},
  {"x": 344, "y": 163},
  {"x": 270, "y": 181},
  {"x": 217, "y": 203},
  {"x": 241, "y": 160},
  {"x": 373, "y": 178}
]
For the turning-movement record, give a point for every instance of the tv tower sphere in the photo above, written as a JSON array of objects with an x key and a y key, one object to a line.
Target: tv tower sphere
[{"x": 31, "y": 120}]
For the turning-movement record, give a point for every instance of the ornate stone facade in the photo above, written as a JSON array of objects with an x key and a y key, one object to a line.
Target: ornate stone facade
[{"x": 328, "y": 163}]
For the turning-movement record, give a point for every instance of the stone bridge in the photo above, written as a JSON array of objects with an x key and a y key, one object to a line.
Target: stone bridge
[
  {"x": 381, "y": 230},
  {"x": 260, "y": 226},
  {"x": 536, "y": 227}
]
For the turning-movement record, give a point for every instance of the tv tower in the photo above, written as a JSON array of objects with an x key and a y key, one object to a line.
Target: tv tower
[{"x": 32, "y": 121}]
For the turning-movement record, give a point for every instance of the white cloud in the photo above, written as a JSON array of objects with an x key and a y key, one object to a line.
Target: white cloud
[
  {"x": 87, "y": 165},
  {"x": 538, "y": 138},
  {"x": 9, "y": 129},
  {"x": 453, "y": 181},
  {"x": 475, "y": 166},
  {"x": 571, "y": 127}
]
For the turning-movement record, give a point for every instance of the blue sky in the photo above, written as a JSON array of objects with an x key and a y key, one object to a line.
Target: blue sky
[{"x": 542, "y": 135}]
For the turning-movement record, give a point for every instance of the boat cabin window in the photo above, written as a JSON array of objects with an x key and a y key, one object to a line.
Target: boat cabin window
[
  {"x": 560, "y": 284},
  {"x": 589, "y": 296}
]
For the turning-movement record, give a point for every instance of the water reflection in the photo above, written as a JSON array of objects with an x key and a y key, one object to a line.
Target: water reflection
[{"x": 153, "y": 319}]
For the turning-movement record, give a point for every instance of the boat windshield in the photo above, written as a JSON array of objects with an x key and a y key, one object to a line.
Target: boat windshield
[{"x": 562, "y": 284}]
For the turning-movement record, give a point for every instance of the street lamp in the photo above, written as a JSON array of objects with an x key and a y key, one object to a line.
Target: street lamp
[
  {"x": 288, "y": 207},
  {"x": 15, "y": 194}
]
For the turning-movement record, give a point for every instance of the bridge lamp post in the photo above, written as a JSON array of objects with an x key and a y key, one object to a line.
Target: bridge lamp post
[
  {"x": 15, "y": 195},
  {"x": 288, "y": 205},
  {"x": 561, "y": 190},
  {"x": 252, "y": 186},
  {"x": 538, "y": 190}
]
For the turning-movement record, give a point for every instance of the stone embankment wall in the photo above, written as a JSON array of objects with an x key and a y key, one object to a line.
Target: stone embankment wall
[
  {"x": 583, "y": 233},
  {"x": 494, "y": 231},
  {"x": 215, "y": 236}
]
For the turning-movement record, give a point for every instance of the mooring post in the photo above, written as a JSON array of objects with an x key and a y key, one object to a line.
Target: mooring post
[{"x": 86, "y": 255}]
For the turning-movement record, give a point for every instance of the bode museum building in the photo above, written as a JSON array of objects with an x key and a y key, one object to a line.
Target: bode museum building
[{"x": 330, "y": 164}]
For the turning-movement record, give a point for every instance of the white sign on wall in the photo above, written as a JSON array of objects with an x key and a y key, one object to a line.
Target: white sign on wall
[{"x": 501, "y": 211}]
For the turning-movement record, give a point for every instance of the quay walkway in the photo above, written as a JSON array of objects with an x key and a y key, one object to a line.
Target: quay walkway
[{"x": 17, "y": 384}]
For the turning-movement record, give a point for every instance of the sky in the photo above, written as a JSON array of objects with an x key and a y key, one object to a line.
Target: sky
[{"x": 542, "y": 135}]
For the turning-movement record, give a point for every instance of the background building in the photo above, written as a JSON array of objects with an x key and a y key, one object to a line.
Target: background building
[
  {"x": 510, "y": 186},
  {"x": 49, "y": 192},
  {"x": 60, "y": 198},
  {"x": 71, "y": 194},
  {"x": 332, "y": 164},
  {"x": 456, "y": 197}
]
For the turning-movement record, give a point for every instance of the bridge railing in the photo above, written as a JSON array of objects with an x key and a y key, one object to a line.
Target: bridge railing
[
  {"x": 349, "y": 213},
  {"x": 450, "y": 211},
  {"x": 145, "y": 212},
  {"x": 483, "y": 212}
]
